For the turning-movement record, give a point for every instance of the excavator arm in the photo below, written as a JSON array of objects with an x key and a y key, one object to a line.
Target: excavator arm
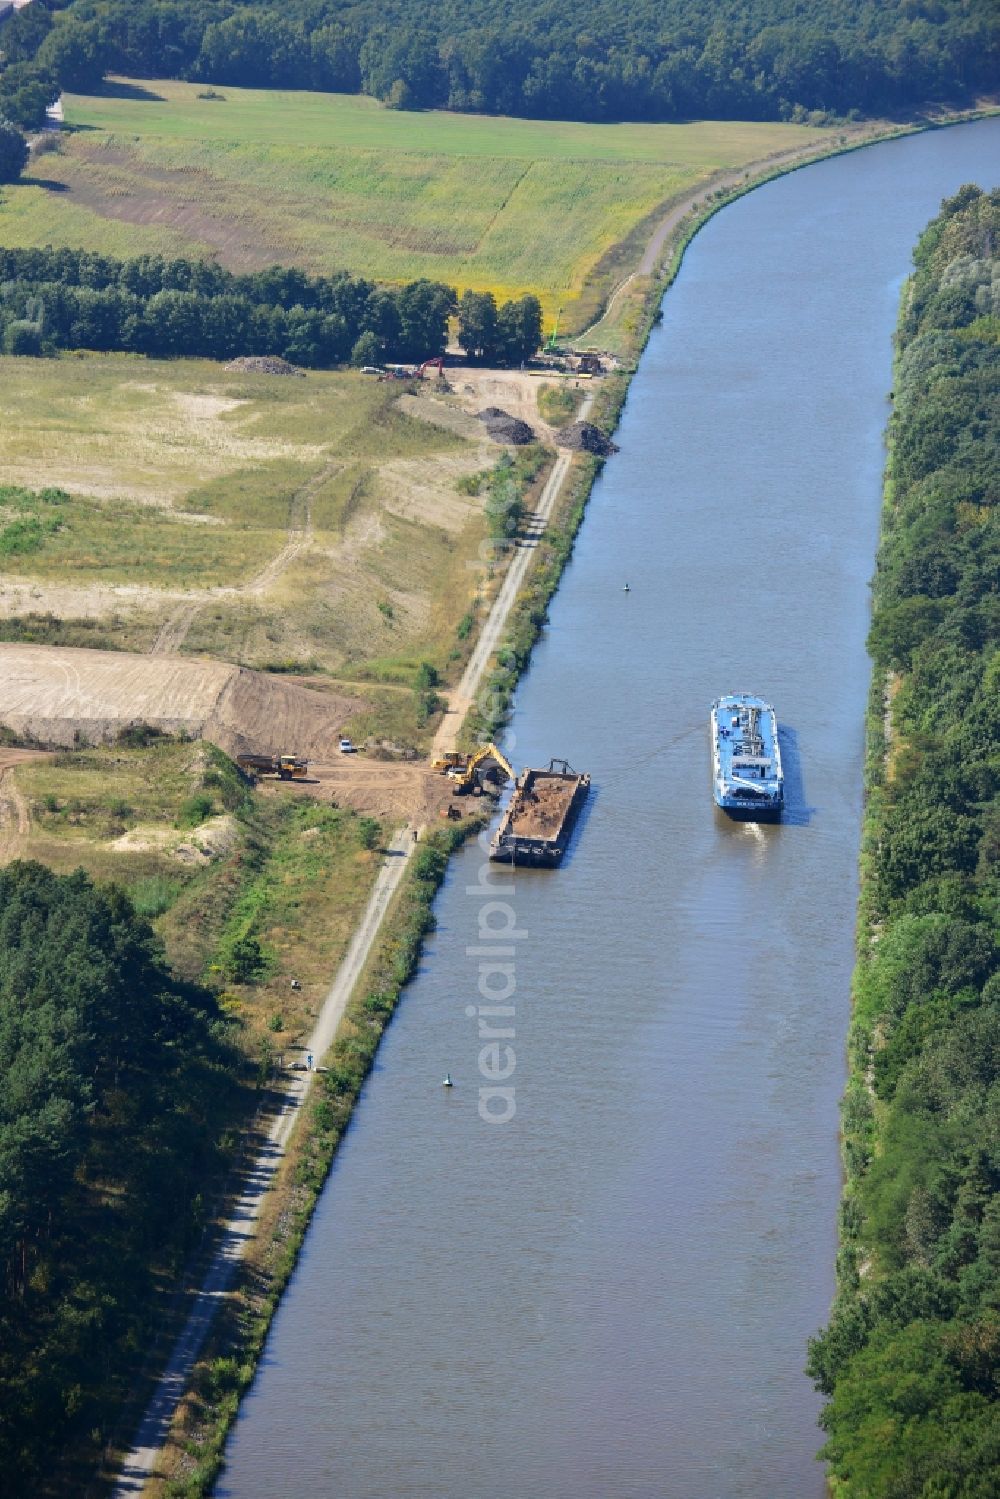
[{"x": 486, "y": 757}]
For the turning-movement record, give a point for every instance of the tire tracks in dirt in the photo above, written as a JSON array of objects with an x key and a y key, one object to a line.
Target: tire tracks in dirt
[
  {"x": 15, "y": 813},
  {"x": 174, "y": 631}
]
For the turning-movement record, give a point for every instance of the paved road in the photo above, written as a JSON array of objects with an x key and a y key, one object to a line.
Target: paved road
[{"x": 140, "y": 1463}]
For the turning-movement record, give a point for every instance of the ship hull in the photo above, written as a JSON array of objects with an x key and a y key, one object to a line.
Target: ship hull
[
  {"x": 747, "y": 778},
  {"x": 742, "y": 812}
]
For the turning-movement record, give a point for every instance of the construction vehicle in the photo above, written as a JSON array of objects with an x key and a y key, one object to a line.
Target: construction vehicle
[
  {"x": 285, "y": 767},
  {"x": 551, "y": 346},
  {"x": 449, "y": 761},
  {"x": 486, "y": 766},
  {"x": 431, "y": 364}
]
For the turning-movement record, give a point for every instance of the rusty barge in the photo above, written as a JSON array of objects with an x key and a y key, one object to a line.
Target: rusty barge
[{"x": 536, "y": 826}]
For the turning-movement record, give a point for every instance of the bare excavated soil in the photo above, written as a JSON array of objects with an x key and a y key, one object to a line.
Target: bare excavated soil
[
  {"x": 584, "y": 437},
  {"x": 59, "y": 696},
  {"x": 473, "y": 392},
  {"x": 390, "y": 790},
  {"x": 542, "y": 809}
]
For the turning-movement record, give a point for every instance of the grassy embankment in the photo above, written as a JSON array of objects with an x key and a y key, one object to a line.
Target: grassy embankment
[{"x": 337, "y": 182}]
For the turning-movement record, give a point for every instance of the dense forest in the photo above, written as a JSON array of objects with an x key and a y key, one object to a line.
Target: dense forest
[
  {"x": 575, "y": 59},
  {"x": 116, "y": 1083},
  {"x": 73, "y": 299},
  {"x": 911, "y": 1358}
]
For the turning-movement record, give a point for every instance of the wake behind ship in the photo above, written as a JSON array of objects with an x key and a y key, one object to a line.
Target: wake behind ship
[{"x": 746, "y": 757}]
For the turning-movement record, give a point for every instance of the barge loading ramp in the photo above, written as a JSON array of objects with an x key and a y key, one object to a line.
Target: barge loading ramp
[{"x": 536, "y": 826}]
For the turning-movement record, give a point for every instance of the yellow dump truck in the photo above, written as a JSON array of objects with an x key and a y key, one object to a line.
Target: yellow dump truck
[
  {"x": 452, "y": 760},
  {"x": 285, "y": 767}
]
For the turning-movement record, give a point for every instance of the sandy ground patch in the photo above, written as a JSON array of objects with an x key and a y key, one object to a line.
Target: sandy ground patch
[
  {"x": 425, "y": 489},
  {"x": 379, "y": 788},
  {"x": 512, "y": 390},
  {"x": 472, "y": 389},
  {"x": 80, "y": 601},
  {"x": 211, "y": 840},
  {"x": 202, "y": 407},
  {"x": 64, "y": 696},
  {"x": 451, "y": 415},
  {"x": 15, "y": 814},
  {"x": 148, "y": 444}
]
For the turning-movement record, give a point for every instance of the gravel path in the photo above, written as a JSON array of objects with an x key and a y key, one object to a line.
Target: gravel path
[{"x": 464, "y": 695}]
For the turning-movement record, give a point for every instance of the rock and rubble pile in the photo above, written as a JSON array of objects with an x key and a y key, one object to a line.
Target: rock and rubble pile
[
  {"x": 264, "y": 364},
  {"x": 503, "y": 427},
  {"x": 584, "y": 437}
]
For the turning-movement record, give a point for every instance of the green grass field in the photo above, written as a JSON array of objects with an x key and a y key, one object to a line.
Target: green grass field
[{"x": 330, "y": 182}]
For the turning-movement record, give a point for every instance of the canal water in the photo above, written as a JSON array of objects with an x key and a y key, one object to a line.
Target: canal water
[{"x": 611, "y": 1293}]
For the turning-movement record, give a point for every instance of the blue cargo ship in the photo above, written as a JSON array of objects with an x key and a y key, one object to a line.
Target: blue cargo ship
[{"x": 746, "y": 757}]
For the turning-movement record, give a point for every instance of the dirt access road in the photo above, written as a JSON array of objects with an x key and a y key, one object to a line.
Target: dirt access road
[
  {"x": 721, "y": 182},
  {"x": 174, "y": 630},
  {"x": 15, "y": 814},
  {"x": 462, "y": 698}
]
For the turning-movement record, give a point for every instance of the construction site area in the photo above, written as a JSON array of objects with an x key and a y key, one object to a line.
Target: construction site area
[
  {"x": 204, "y": 524},
  {"x": 74, "y": 699},
  {"x": 295, "y": 580}
]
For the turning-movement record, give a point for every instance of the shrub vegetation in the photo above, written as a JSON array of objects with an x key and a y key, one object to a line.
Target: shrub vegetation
[
  {"x": 563, "y": 59},
  {"x": 910, "y": 1357},
  {"x": 13, "y": 151}
]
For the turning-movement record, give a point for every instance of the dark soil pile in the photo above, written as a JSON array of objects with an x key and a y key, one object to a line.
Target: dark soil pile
[
  {"x": 503, "y": 427},
  {"x": 584, "y": 437},
  {"x": 263, "y": 364}
]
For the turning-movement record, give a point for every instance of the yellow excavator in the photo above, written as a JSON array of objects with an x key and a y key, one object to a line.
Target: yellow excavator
[{"x": 470, "y": 772}]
